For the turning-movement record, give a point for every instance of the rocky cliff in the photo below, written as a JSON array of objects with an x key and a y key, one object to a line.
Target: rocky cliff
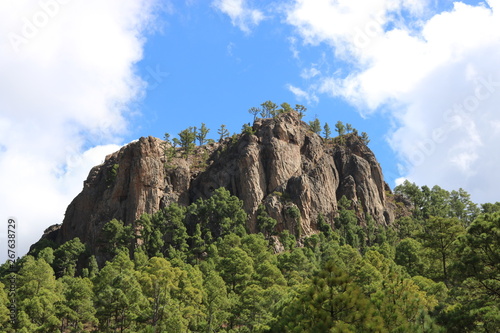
[{"x": 282, "y": 165}]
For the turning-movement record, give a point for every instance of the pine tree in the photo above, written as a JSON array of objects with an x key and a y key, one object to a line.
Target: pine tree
[
  {"x": 331, "y": 303},
  {"x": 364, "y": 138},
  {"x": 301, "y": 109},
  {"x": 348, "y": 128},
  {"x": 265, "y": 223},
  {"x": 119, "y": 300},
  {"x": 285, "y": 108},
  {"x": 236, "y": 269},
  {"x": 198, "y": 245},
  {"x": 216, "y": 301},
  {"x": 187, "y": 139},
  {"x": 201, "y": 135},
  {"x": 5, "y": 320},
  {"x": 77, "y": 311},
  {"x": 254, "y": 112},
  {"x": 223, "y": 132},
  {"x": 159, "y": 281},
  {"x": 270, "y": 109},
  {"x": 67, "y": 257},
  {"x": 340, "y": 128},
  {"x": 38, "y": 294},
  {"x": 326, "y": 131},
  {"x": 439, "y": 236},
  {"x": 315, "y": 126}
]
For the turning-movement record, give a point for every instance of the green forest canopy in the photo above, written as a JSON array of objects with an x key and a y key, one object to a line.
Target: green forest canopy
[{"x": 198, "y": 270}]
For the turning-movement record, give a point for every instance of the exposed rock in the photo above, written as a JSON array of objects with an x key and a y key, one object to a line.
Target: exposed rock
[{"x": 283, "y": 165}]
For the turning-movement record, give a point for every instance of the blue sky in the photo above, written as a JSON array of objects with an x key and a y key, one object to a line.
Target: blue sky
[
  {"x": 202, "y": 68},
  {"x": 82, "y": 78}
]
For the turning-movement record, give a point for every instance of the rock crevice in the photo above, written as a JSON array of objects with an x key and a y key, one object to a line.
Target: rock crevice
[{"x": 283, "y": 164}]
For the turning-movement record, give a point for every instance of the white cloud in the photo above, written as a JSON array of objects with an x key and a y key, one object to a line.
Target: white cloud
[
  {"x": 309, "y": 73},
  {"x": 437, "y": 75},
  {"x": 302, "y": 95},
  {"x": 240, "y": 13},
  {"x": 293, "y": 47},
  {"x": 67, "y": 80}
]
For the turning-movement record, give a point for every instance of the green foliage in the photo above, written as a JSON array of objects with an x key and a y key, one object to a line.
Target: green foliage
[
  {"x": 462, "y": 207},
  {"x": 439, "y": 236},
  {"x": 111, "y": 174},
  {"x": 170, "y": 222},
  {"x": 371, "y": 230},
  {"x": 219, "y": 215},
  {"x": 173, "y": 295},
  {"x": 169, "y": 150},
  {"x": 47, "y": 254},
  {"x": 301, "y": 109},
  {"x": 404, "y": 306},
  {"x": 438, "y": 202},
  {"x": 166, "y": 138},
  {"x": 77, "y": 308},
  {"x": 287, "y": 240},
  {"x": 294, "y": 212},
  {"x": 348, "y": 128},
  {"x": 490, "y": 207},
  {"x": 236, "y": 268},
  {"x": 216, "y": 301},
  {"x": 176, "y": 143},
  {"x": 315, "y": 126},
  {"x": 285, "y": 108},
  {"x": 478, "y": 271},
  {"x": 323, "y": 226},
  {"x": 254, "y": 112},
  {"x": 248, "y": 129},
  {"x": 116, "y": 236},
  {"x": 187, "y": 140},
  {"x": 365, "y": 138},
  {"x": 119, "y": 300},
  {"x": 408, "y": 255},
  {"x": 164, "y": 231},
  {"x": 93, "y": 267},
  {"x": 223, "y": 132},
  {"x": 327, "y": 131},
  {"x": 202, "y": 133},
  {"x": 265, "y": 223},
  {"x": 67, "y": 256},
  {"x": 195, "y": 269},
  {"x": 5, "y": 321},
  {"x": 346, "y": 224},
  {"x": 331, "y": 303},
  {"x": 269, "y": 109},
  {"x": 340, "y": 128},
  {"x": 38, "y": 293}
]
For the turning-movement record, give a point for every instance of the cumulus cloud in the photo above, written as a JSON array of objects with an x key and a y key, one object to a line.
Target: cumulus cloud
[
  {"x": 437, "y": 75},
  {"x": 240, "y": 13},
  {"x": 68, "y": 80}
]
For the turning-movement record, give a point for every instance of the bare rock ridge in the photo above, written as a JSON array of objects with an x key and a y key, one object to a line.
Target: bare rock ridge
[{"x": 282, "y": 165}]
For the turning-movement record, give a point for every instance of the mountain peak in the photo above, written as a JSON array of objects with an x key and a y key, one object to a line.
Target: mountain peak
[{"x": 278, "y": 162}]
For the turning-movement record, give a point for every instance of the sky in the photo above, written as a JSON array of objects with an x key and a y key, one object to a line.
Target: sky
[{"x": 79, "y": 79}]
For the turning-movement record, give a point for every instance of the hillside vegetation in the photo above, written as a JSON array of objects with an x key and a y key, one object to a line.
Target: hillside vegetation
[
  {"x": 432, "y": 266},
  {"x": 198, "y": 270}
]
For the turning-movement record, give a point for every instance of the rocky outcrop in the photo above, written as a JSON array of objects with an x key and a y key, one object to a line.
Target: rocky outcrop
[{"x": 282, "y": 165}]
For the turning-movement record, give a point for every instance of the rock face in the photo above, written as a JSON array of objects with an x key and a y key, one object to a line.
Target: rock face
[{"x": 283, "y": 165}]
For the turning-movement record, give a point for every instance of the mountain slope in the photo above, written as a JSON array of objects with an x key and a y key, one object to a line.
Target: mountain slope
[{"x": 280, "y": 164}]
